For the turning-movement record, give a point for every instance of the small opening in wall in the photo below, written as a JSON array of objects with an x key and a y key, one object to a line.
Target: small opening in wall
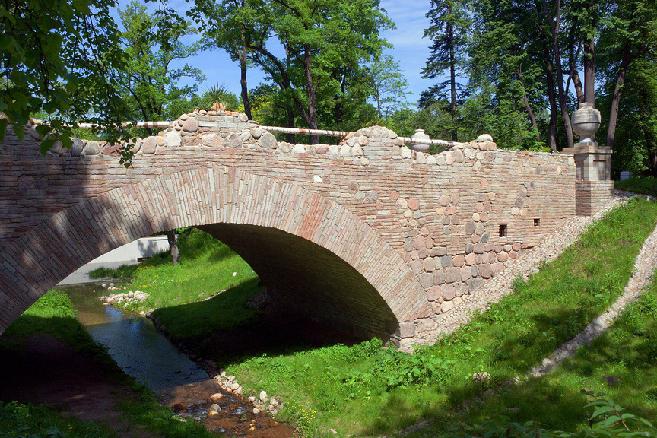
[
  {"x": 537, "y": 222},
  {"x": 502, "y": 230}
]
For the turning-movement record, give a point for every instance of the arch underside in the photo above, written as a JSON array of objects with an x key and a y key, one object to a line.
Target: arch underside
[
  {"x": 310, "y": 251},
  {"x": 304, "y": 279}
]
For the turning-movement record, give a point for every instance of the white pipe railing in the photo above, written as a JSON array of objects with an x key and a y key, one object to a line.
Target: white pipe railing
[
  {"x": 305, "y": 131},
  {"x": 432, "y": 141},
  {"x": 279, "y": 129},
  {"x": 86, "y": 125}
]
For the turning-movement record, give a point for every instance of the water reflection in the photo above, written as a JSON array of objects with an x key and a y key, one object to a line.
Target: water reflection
[{"x": 133, "y": 342}]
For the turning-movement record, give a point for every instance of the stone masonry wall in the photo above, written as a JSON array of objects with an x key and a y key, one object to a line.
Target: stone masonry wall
[{"x": 456, "y": 218}]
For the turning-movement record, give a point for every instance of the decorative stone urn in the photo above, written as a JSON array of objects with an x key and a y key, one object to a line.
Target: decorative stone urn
[
  {"x": 586, "y": 121},
  {"x": 421, "y": 141}
]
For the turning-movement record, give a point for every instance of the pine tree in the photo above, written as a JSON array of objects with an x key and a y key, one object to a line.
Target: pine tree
[{"x": 447, "y": 31}]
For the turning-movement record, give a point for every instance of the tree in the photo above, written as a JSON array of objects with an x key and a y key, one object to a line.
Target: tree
[
  {"x": 389, "y": 86},
  {"x": 506, "y": 74},
  {"x": 635, "y": 148},
  {"x": 58, "y": 59},
  {"x": 447, "y": 31},
  {"x": 628, "y": 35},
  {"x": 235, "y": 26},
  {"x": 172, "y": 238},
  {"x": 153, "y": 42},
  {"x": 216, "y": 93},
  {"x": 321, "y": 74}
]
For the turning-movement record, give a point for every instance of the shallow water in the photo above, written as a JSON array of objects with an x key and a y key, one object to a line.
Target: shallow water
[
  {"x": 143, "y": 353},
  {"x": 133, "y": 342}
]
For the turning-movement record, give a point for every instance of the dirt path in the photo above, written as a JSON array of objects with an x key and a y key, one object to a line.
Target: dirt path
[{"x": 49, "y": 372}]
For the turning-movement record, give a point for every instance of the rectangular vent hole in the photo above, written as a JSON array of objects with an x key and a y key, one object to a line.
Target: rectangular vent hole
[
  {"x": 503, "y": 230},
  {"x": 537, "y": 222}
]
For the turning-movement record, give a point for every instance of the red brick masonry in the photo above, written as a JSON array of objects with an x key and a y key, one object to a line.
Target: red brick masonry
[{"x": 367, "y": 232}]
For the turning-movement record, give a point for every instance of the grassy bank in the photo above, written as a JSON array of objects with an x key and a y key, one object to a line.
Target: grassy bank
[
  {"x": 366, "y": 389},
  {"x": 621, "y": 365},
  {"x": 53, "y": 316},
  {"x": 646, "y": 185},
  {"x": 207, "y": 268}
]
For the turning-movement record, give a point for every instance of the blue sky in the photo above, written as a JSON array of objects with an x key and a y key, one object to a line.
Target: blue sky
[{"x": 409, "y": 49}]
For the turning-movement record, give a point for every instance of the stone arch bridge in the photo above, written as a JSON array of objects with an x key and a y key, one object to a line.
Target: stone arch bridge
[{"x": 368, "y": 233}]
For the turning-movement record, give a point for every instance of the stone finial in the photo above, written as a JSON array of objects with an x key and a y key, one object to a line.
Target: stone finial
[
  {"x": 586, "y": 121},
  {"x": 421, "y": 141}
]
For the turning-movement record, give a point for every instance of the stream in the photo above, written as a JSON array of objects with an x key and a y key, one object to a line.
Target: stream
[
  {"x": 134, "y": 343},
  {"x": 151, "y": 359}
]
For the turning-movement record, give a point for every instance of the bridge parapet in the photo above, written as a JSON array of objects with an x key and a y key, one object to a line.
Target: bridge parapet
[{"x": 234, "y": 130}]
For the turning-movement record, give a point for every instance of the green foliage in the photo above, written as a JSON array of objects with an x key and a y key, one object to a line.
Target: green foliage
[
  {"x": 216, "y": 93},
  {"x": 635, "y": 148},
  {"x": 323, "y": 77},
  {"x": 153, "y": 43},
  {"x": 28, "y": 421},
  {"x": 448, "y": 34},
  {"x": 57, "y": 59},
  {"x": 645, "y": 185},
  {"x": 389, "y": 86},
  {"x": 608, "y": 419}
]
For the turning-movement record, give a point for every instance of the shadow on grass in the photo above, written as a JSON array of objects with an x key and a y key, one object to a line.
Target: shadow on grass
[
  {"x": 25, "y": 336},
  {"x": 620, "y": 365},
  {"x": 52, "y": 361},
  {"x": 226, "y": 328}
]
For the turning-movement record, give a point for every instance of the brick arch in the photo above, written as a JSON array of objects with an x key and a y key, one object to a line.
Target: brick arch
[{"x": 206, "y": 196}]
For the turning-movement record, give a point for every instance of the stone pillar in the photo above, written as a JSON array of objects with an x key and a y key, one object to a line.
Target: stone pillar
[{"x": 593, "y": 163}]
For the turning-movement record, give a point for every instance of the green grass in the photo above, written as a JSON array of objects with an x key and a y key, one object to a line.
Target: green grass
[
  {"x": 366, "y": 389},
  {"x": 225, "y": 311},
  {"x": 620, "y": 365},
  {"x": 53, "y": 314},
  {"x": 207, "y": 268},
  {"x": 646, "y": 185},
  {"x": 21, "y": 420}
]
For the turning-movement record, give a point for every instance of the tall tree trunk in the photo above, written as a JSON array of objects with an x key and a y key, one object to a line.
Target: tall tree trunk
[
  {"x": 289, "y": 114},
  {"x": 574, "y": 75},
  {"x": 615, "y": 100},
  {"x": 245, "y": 89},
  {"x": 173, "y": 246},
  {"x": 549, "y": 76},
  {"x": 339, "y": 107},
  {"x": 452, "y": 74},
  {"x": 563, "y": 105},
  {"x": 527, "y": 105},
  {"x": 589, "y": 71},
  {"x": 311, "y": 92}
]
